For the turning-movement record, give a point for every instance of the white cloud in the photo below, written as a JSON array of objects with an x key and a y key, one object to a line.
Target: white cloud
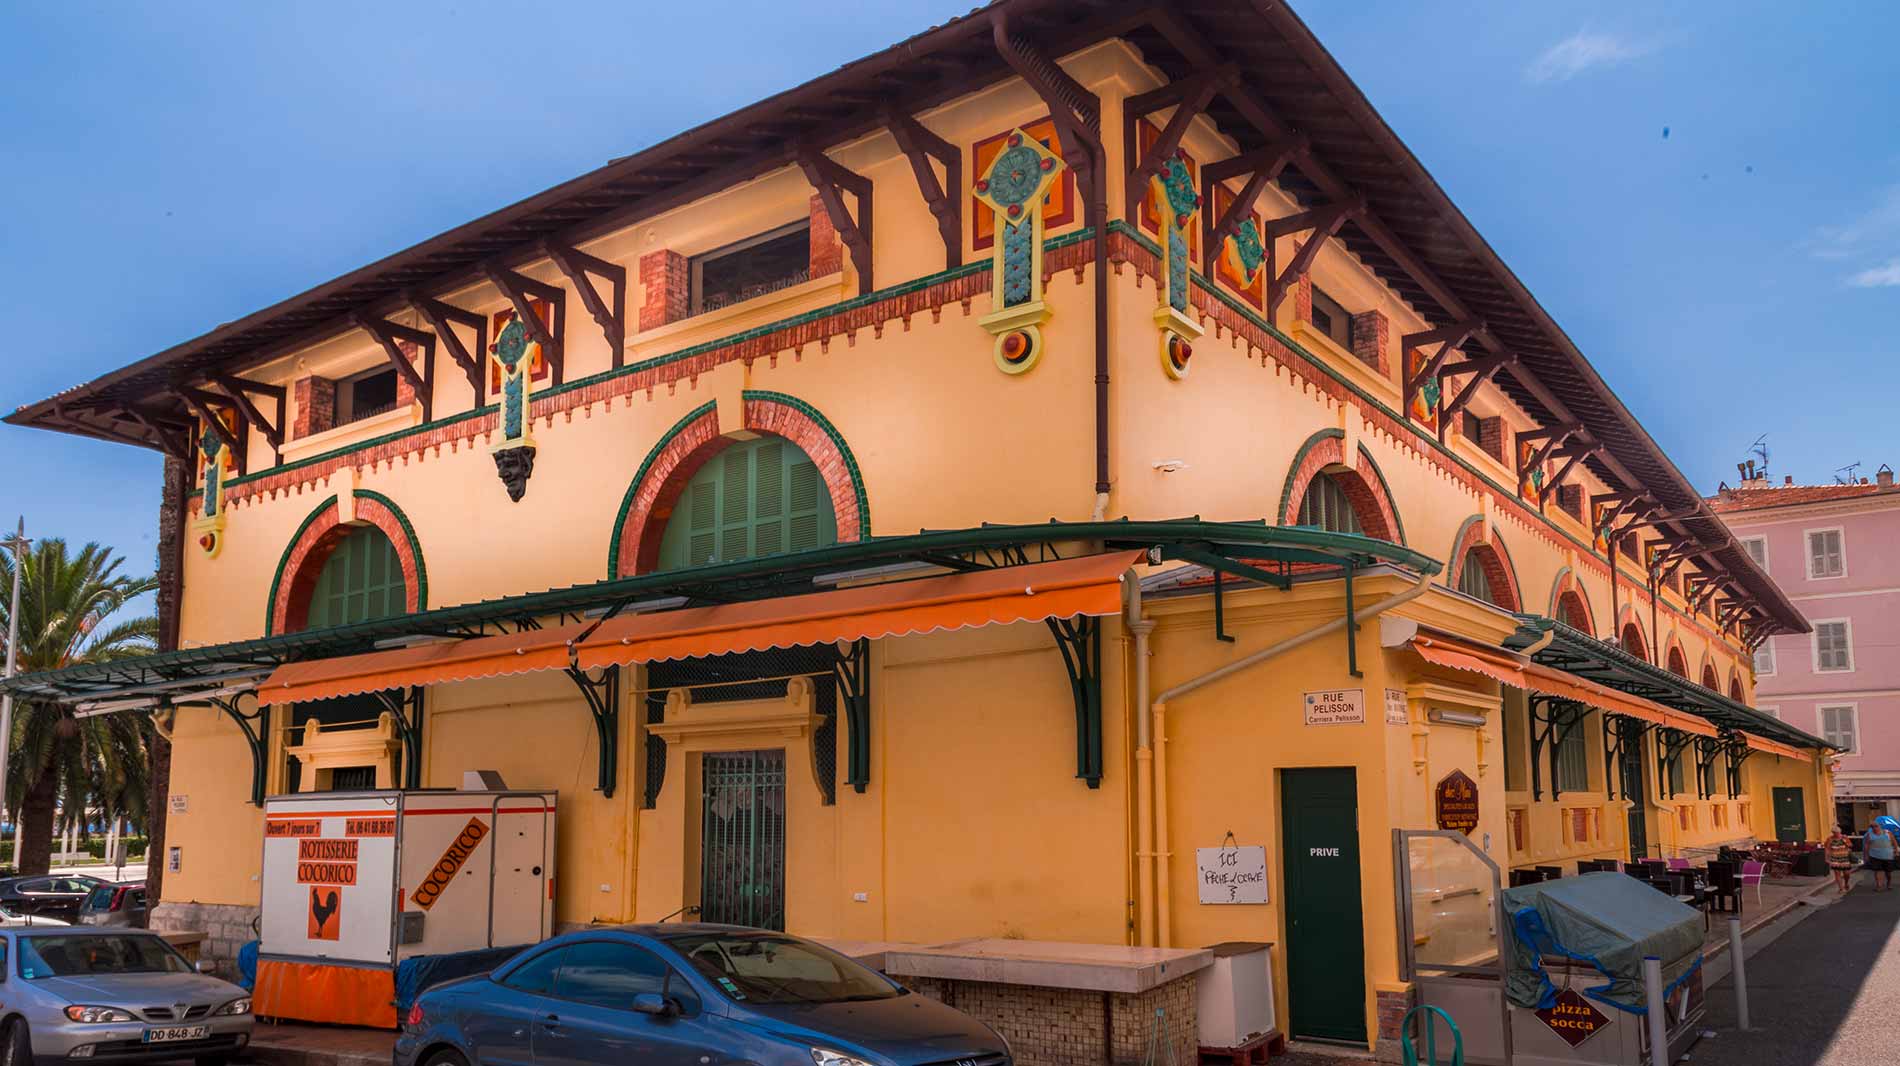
[
  {"x": 1582, "y": 51},
  {"x": 1876, "y": 227},
  {"x": 1879, "y": 277}
]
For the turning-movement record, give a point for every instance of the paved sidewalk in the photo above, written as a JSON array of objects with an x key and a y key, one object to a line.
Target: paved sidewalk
[
  {"x": 291, "y": 1044},
  {"x": 1825, "y": 994}
]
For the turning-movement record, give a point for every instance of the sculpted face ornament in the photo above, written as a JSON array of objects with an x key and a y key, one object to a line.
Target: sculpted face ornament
[{"x": 514, "y": 351}]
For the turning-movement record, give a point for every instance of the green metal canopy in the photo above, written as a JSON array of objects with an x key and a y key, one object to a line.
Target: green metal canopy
[
  {"x": 1252, "y": 550},
  {"x": 1579, "y": 653}
]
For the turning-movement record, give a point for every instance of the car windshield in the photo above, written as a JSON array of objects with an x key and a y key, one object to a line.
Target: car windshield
[
  {"x": 772, "y": 968},
  {"x": 76, "y": 956}
]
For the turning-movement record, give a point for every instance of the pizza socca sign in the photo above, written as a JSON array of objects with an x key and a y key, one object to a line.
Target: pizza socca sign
[
  {"x": 1573, "y": 1017},
  {"x": 1456, "y": 799}
]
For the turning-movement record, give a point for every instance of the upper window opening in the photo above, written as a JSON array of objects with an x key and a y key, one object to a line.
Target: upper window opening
[
  {"x": 755, "y": 498},
  {"x": 1825, "y": 557},
  {"x": 361, "y": 580},
  {"x": 1632, "y": 641},
  {"x": 1677, "y": 664},
  {"x": 1331, "y": 319},
  {"x": 1833, "y": 648},
  {"x": 365, "y": 395},
  {"x": 1474, "y": 582},
  {"x": 1572, "y": 611},
  {"x": 773, "y": 260},
  {"x": 1472, "y": 427},
  {"x": 1757, "y": 548},
  {"x": 1326, "y": 506}
]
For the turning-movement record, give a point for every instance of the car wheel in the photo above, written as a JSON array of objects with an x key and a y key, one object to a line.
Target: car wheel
[
  {"x": 445, "y": 1057},
  {"x": 16, "y": 1046}
]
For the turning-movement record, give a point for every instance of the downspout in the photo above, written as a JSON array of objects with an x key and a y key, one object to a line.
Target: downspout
[
  {"x": 1159, "y": 738},
  {"x": 1144, "y": 765}
]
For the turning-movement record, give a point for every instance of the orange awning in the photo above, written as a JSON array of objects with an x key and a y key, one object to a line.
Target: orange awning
[
  {"x": 1087, "y": 585},
  {"x": 426, "y": 664},
  {"x": 1774, "y": 748},
  {"x": 1548, "y": 681}
]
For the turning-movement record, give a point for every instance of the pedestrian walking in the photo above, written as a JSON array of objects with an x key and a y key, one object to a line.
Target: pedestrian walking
[
  {"x": 1840, "y": 858},
  {"x": 1881, "y": 846}
]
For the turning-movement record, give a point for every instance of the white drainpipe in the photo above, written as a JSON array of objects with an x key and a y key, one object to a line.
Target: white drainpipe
[
  {"x": 1157, "y": 734},
  {"x": 1144, "y": 765}
]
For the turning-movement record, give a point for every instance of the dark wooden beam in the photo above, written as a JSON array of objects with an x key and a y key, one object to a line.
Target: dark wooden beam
[
  {"x": 1323, "y": 222},
  {"x": 204, "y": 404},
  {"x": 920, "y": 146},
  {"x": 443, "y": 318},
  {"x": 1076, "y": 112},
  {"x": 521, "y": 290},
  {"x": 388, "y": 334},
  {"x": 609, "y": 314},
  {"x": 1143, "y": 104},
  {"x": 1482, "y": 370},
  {"x": 239, "y": 390},
  {"x": 69, "y": 421},
  {"x": 176, "y": 444},
  {"x": 832, "y": 181},
  {"x": 1262, "y": 166},
  {"x": 1196, "y": 91},
  {"x": 1577, "y": 455}
]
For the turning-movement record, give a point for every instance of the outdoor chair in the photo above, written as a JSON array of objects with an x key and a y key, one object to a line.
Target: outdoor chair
[
  {"x": 1678, "y": 864},
  {"x": 1725, "y": 889},
  {"x": 1550, "y": 873},
  {"x": 1520, "y": 878},
  {"x": 1752, "y": 873}
]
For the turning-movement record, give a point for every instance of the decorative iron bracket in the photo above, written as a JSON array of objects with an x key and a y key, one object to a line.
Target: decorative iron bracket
[
  {"x": 853, "y": 671},
  {"x": 1080, "y": 641},
  {"x": 406, "y": 708},
  {"x": 1670, "y": 745},
  {"x": 602, "y": 693},
  {"x": 1707, "y": 749},
  {"x": 1738, "y": 753},
  {"x": 1620, "y": 739},
  {"x": 1560, "y": 720},
  {"x": 256, "y": 727}
]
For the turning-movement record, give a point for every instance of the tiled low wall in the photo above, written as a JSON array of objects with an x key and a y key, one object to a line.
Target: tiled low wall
[
  {"x": 1072, "y": 1027},
  {"x": 226, "y": 927}
]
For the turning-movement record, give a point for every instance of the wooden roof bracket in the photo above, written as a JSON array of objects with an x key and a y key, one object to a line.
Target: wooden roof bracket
[
  {"x": 1075, "y": 111},
  {"x": 203, "y": 403},
  {"x": 443, "y": 317},
  {"x": 1324, "y": 222},
  {"x": 1448, "y": 338},
  {"x": 1482, "y": 369},
  {"x": 240, "y": 390},
  {"x": 387, "y": 334},
  {"x": 520, "y": 289},
  {"x": 832, "y": 180},
  {"x": 1572, "y": 456},
  {"x": 609, "y": 314},
  {"x": 1263, "y": 166},
  {"x": 1190, "y": 95},
  {"x": 173, "y": 442},
  {"x": 920, "y": 145}
]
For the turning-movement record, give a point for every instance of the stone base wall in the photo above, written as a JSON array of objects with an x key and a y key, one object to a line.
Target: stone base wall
[
  {"x": 1393, "y": 1006},
  {"x": 1069, "y": 1027},
  {"x": 226, "y": 927}
]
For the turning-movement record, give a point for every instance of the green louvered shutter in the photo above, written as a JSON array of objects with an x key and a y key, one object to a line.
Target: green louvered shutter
[
  {"x": 361, "y": 580},
  {"x": 756, "y": 498}
]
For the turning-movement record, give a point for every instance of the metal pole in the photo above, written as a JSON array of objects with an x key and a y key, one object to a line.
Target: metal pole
[
  {"x": 1658, "y": 1027},
  {"x": 18, "y": 543},
  {"x": 1736, "y": 973}
]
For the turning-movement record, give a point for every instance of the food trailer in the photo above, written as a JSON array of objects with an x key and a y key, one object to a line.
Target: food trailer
[{"x": 363, "y": 892}]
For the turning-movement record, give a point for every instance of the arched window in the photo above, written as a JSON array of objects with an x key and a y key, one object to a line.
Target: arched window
[
  {"x": 361, "y": 580},
  {"x": 1473, "y": 582},
  {"x": 1485, "y": 574},
  {"x": 1709, "y": 680},
  {"x": 754, "y": 498},
  {"x": 1632, "y": 640},
  {"x": 1572, "y": 611},
  {"x": 1678, "y": 665},
  {"x": 1326, "y": 506},
  {"x": 1735, "y": 688}
]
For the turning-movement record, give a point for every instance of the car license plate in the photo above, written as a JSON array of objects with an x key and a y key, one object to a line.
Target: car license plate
[{"x": 177, "y": 1032}]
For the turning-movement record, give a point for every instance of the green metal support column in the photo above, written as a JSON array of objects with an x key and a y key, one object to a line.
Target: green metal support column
[
  {"x": 1080, "y": 641},
  {"x": 853, "y": 671},
  {"x": 602, "y": 693},
  {"x": 406, "y": 708},
  {"x": 256, "y": 727}
]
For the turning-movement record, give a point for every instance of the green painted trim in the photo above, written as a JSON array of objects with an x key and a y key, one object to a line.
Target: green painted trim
[
  {"x": 277, "y": 578},
  {"x": 640, "y": 477},
  {"x": 837, "y": 438},
  {"x": 1454, "y": 559},
  {"x": 415, "y": 546},
  {"x": 1299, "y": 460},
  {"x": 1385, "y": 487}
]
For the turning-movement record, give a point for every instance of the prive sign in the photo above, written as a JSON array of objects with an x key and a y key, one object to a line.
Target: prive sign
[{"x": 1573, "y": 1017}]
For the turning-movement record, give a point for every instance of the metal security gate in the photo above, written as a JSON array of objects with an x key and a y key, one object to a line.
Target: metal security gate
[{"x": 742, "y": 838}]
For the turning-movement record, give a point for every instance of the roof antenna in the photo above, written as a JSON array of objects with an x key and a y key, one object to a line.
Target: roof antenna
[{"x": 1845, "y": 475}]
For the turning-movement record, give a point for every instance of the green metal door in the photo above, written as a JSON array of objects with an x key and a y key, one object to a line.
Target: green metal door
[
  {"x": 1791, "y": 815},
  {"x": 1326, "y": 952},
  {"x": 742, "y": 838}
]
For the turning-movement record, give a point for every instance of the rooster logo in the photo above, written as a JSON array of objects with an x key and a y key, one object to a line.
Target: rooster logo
[{"x": 323, "y": 907}]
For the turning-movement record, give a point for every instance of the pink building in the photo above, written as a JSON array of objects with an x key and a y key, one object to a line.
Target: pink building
[{"x": 1835, "y": 550}]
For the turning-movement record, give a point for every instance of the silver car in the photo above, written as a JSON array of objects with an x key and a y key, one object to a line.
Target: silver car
[{"x": 79, "y": 993}]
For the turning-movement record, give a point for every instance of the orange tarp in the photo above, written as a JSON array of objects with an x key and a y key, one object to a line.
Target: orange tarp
[
  {"x": 1549, "y": 681},
  {"x": 1088, "y": 585},
  {"x": 426, "y": 664},
  {"x": 318, "y": 992},
  {"x": 1773, "y": 748}
]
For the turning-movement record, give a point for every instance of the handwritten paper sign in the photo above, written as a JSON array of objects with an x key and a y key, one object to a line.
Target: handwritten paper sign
[
  {"x": 1336, "y": 707},
  {"x": 1232, "y": 874},
  {"x": 1395, "y": 707},
  {"x": 1457, "y": 802}
]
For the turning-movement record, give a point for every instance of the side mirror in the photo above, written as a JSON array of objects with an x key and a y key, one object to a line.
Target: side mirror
[
  {"x": 205, "y": 966},
  {"x": 654, "y": 1004}
]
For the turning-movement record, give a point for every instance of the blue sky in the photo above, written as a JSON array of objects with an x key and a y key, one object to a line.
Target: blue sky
[{"x": 173, "y": 166}]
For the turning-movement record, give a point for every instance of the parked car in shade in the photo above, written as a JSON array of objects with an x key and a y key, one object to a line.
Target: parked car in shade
[
  {"x": 118, "y": 994},
  {"x": 115, "y": 904},
  {"x": 10, "y": 919},
  {"x": 682, "y": 995},
  {"x": 55, "y": 896}
]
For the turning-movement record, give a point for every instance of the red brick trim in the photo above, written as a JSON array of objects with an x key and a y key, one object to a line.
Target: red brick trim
[
  {"x": 314, "y": 401},
  {"x": 1364, "y": 488},
  {"x": 667, "y": 282},
  {"x": 303, "y": 563},
  {"x": 1567, "y": 589},
  {"x": 827, "y": 251},
  {"x": 700, "y": 440},
  {"x": 1627, "y": 618}
]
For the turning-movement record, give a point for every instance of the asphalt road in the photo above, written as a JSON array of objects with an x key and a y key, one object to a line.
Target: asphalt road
[{"x": 1827, "y": 993}]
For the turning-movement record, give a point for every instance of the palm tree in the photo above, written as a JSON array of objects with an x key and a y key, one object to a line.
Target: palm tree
[{"x": 67, "y": 609}]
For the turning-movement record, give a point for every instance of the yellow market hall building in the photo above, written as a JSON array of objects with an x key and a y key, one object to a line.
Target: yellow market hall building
[{"x": 1165, "y": 466}]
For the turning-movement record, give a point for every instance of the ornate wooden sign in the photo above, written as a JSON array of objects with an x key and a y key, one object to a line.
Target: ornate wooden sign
[
  {"x": 1457, "y": 802},
  {"x": 1573, "y": 1017}
]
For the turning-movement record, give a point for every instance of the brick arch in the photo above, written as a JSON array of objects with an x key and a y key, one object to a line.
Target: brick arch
[
  {"x": 1708, "y": 677},
  {"x": 322, "y": 530},
  {"x": 1469, "y": 546},
  {"x": 1364, "y": 484},
  {"x": 696, "y": 438},
  {"x": 1736, "y": 691},
  {"x": 1628, "y": 623},
  {"x": 1674, "y": 653},
  {"x": 1568, "y": 590}
]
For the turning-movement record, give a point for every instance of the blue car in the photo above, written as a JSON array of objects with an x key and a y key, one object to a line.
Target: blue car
[{"x": 687, "y": 995}]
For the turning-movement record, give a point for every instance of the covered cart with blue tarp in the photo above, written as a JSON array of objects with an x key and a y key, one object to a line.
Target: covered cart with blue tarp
[{"x": 1598, "y": 928}]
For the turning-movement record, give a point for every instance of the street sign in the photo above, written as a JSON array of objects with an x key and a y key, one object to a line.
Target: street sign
[
  {"x": 1336, "y": 707},
  {"x": 1573, "y": 1017}
]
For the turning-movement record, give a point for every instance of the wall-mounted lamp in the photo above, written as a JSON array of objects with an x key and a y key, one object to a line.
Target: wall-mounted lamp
[{"x": 1476, "y": 721}]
